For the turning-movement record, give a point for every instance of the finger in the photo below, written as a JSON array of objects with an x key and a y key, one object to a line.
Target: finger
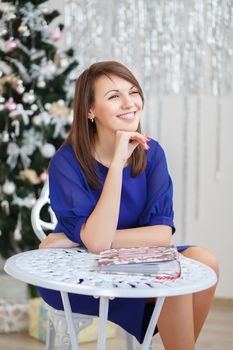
[{"x": 141, "y": 139}]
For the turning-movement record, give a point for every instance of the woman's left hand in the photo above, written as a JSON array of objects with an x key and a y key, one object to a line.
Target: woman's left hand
[{"x": 57, "y": 240}]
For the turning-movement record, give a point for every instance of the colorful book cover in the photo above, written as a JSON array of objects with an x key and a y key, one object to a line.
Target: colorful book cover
[{"x": 161, "y": 262}]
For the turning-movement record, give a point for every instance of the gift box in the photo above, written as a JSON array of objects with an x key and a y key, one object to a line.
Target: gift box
[
  {"x": 13, "y": 316},
  {"x": 38, "y": 322}
]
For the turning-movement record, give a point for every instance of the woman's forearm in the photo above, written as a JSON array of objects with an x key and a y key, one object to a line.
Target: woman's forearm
[
  {"x": 143, "y": 236},
  {"x": 99, "y": 231}
]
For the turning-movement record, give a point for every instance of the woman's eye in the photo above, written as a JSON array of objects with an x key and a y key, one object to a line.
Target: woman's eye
[
  {"x": 134, "y": 92},
  {"x": 113, "y": 96}
]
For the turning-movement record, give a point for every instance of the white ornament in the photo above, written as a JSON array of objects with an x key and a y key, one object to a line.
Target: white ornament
[
  {"x": 36, "y": 120},
  {"x": 47, "y": 106},
  {"x": 61, "y": 103},
  {"x": 48, "y": 150},
  {"x": 29, "y": 97},
  {"x": 41, "y": 84},
  {"x": 8, "y": 187},
  {"x": 34, "y": 107}
]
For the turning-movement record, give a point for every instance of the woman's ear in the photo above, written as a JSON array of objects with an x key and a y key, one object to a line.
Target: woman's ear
[{"x": 91, "y": 114}]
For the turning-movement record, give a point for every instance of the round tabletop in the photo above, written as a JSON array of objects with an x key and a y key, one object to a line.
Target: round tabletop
[{"x": 75, "y": 271}]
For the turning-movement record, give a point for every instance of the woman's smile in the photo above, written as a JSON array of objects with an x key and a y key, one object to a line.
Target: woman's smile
[{"x": 127, "y": 116}]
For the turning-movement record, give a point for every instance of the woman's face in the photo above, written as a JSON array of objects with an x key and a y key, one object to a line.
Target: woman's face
[{"x": 117, "y": 105}]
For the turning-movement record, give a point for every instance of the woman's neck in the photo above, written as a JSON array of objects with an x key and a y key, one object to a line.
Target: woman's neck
[{"x": 104, "y": 148}]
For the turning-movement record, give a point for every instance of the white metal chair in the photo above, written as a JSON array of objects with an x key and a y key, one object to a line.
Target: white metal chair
[{"x": 57, "y": 321}]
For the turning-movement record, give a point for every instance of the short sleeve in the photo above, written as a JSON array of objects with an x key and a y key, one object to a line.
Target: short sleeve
[
  {"x": 159, "y": 206},
  {"x": 70, "y": 196}
]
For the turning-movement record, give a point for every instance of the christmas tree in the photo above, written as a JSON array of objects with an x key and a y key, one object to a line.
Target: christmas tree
[{"x": 36, "y": 90}]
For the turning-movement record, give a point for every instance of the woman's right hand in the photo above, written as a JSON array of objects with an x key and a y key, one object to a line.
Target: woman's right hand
[
  {"x": 125, "y": 144},
  {"x": 57, "y": 240}
]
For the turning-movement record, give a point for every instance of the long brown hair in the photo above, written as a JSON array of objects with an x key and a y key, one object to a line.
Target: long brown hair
[{"x": 82, "y": 132}]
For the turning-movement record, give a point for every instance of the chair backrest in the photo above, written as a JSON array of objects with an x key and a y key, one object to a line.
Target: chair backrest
[{"x": 39, "y": 225}]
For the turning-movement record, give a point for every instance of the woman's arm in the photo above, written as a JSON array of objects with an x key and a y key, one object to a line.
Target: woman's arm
[
  {"x": 143, "y": 236},
  {"x": 132, "y": 237},
  {"x": 98, "y": 233}
]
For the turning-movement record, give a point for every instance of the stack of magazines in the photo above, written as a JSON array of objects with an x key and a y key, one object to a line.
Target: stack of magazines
[{"x": 161, "y": 262}]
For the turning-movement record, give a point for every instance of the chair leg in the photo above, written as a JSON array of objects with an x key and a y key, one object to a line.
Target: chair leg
[
  {"x": 129, "y": 341},
  {"x": 50, "y": 336}
]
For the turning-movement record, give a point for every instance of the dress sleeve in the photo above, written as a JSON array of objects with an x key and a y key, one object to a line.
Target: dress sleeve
[
  {"x": 159, "y": 206},
  {"x": 70, "y": 196}
]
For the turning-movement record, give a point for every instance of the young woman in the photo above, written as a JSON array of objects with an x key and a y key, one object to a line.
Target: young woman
[{"x": 110, "y": 187}]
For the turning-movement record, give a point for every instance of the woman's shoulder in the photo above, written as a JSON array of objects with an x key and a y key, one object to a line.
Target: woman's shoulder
[
  {"x": 155, "y": 151},
  {"x": 64, "y": 155}
]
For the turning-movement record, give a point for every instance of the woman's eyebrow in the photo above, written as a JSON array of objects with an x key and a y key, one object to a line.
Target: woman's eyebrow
[{"x": 118, "y": 90}]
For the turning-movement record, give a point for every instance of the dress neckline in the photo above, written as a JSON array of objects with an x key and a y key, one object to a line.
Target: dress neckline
[{"x": 105, "y": 167}]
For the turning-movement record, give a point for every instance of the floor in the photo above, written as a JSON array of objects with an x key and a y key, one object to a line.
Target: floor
[{"x": 217, "y": 334}]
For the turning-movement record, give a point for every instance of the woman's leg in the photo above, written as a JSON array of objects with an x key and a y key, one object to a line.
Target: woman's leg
[
  {"x": 202, "y": 300},
  {"x": 182, "y": 317},
  {"x": 175, "y": 323}
]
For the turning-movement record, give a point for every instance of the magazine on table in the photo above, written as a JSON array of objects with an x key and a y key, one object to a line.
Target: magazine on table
[{"x": 161, "y": 262}]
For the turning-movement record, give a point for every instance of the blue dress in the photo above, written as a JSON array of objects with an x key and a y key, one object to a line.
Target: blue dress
[{"x": 146, "y": 200}]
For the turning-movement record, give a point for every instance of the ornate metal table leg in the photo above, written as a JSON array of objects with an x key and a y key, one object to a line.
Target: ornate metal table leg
[
  {"x": 153, "y": 321},
  {"x": 103, "y": 314},
  {"x": 70, "y": 321}
]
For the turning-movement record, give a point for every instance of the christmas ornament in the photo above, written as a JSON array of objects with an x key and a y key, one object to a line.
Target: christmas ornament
[
  {"x": 14, "y": 152},
  {"x": 31, "y": 16},
  {"x": 10, "y": 45},
  {"x": 45, "y": 71},
  {"x": 58, "y": 109},
  {"x": 20, "y": 111},
  {"x": 10, "y": 105},
  {"x": 29, "y": 97},
  {"x": 18, "y": 228},
  {"x": 33, "y": 138},
  {"x": 16, "y": 125},
  {"x": 5, "y": 136},
  {"x": 36, "y": 120},
  {"x": 5, "y": 207},
  {"x": 61, "y": 103},
  {"x": 20, "y": 88},
  {"x": 31, "y": 175},
  {"x": 44, "y": 176},
  {"x": 8, "y": 187},
  {"x": 34, "y": 107},
  {"x": 56, "y": 35},
  {"x": 22, "y": 28},
  {"x": 47, "y": 106},
  {"x": 27, "y": 202},
  {"x": 48, "y": 150},
  {"x": 41, "y": 84}
]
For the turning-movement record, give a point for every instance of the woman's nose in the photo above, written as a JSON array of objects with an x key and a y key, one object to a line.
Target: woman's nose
[{"x": 127, "y": 102}]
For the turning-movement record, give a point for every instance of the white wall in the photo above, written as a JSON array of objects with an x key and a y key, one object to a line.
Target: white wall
[{"x": 213, "y": 229}]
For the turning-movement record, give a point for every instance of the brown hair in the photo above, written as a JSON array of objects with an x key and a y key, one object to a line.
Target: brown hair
[{"x": 81, "y": 135}]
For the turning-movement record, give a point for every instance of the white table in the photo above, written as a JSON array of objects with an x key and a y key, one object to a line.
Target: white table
[{"x": 64, "y": 269}]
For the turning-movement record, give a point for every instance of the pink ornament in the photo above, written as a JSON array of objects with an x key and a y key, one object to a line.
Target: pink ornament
[
  {"x": 10, "y": 105},
  {"x": 10, "y": 45},
  {"x": 44, "y": 176},
  {"x": 56, "y": 35}
]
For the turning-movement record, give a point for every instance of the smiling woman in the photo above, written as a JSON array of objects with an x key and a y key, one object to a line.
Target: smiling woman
[{"x": 109, "y": 188}]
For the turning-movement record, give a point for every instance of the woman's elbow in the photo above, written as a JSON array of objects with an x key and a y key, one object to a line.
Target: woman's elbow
[{"x": 93, "y": 245}]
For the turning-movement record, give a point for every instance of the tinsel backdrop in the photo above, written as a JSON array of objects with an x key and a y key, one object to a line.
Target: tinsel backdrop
[{"x": 175, "y": 47}]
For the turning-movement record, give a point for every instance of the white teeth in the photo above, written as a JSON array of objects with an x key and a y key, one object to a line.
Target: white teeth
[{"x": 127, "y": 116}]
